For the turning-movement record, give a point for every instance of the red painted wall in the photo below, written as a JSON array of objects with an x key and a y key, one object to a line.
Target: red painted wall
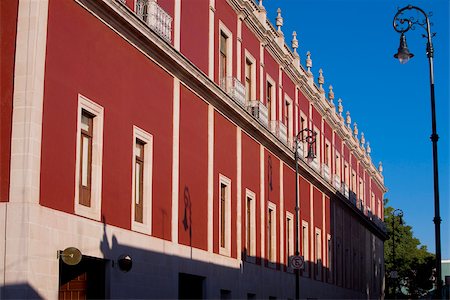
[
  {"x": 304, "y": 106},
  {"x": 193, "y": 186},
  {"x": 251, "y": 180},
  {"x": 112, "y": 73},
  {"x": 272, "y": 194},
  {"x": 194, "y": 34},
  {"x": 225, "y": 157},
  {"x": 8, "y": 29}
]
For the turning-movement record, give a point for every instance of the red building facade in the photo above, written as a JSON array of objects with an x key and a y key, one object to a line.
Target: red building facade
[{"x": 164, "y": 132}]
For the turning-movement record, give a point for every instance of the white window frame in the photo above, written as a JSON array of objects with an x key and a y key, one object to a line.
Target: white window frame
[
  {"x": 252, "y": 60},
  {"x": 94, "y": 211},
  {"x": 273, "y": 245},
  {"x": 330, "y": 258},
  {"x": 147, "y": 138},
  {"x": 327, "y": 149},
  {"x": 290, "y": 238},
  {"x": 273, "y": 97},
  {"x": 290, "y": 127},
  {"x": 229, "y": 35},
  {"x": 227, "y": 249},
  {"x": 252, "y": 254},
  {"x": 305, "y": 247},
  {"x": 338, "y": 165},
  {"x": 318, "y": 253}
]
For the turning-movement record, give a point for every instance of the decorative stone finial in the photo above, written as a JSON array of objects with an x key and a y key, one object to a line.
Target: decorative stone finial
[
  {"x": 279, "y": 20},
  {"x": 380, "y": 167},
  {"x": 369, "y": 150},
  {"x": 331, "y": 95},
  {"x": 260, "y": 3},
  {"x": 363, "y": 140},
  {"x": 348, "y": 120},
  {"x": 355, "y": 130},
  {"x": 308, "y": 62},
  {"x": 321, "y": 79},
  {"x": 294, "y": 41},
  {"x": 340, "y": 107}
]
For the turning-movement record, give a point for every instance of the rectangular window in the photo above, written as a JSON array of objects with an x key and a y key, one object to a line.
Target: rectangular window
[
  {"x": 346, "y": 174},
  {"x": 248, "y": 79},
  {"x": 269, "y": 100},
  {"x": 338, "y": 165},
  {"x": 250, "y": 225},
  {"x": 223, "y": 191},
  {"x": 289, "y": 236},
  {"x": 142, "y": 162},
  {"x": 318, "y": 253},
  {"x": 224, "y": 215},
  {"x": 330, "y": 258},
  {"x": 353, "y": 182},
  {"x": 305, "y": 245},
  {"x": 223, "y": 62},
  {"x": 89, "y": 155},
  {"x": 326, "y": 159},
  {"x": 86, "y": 157},
  {"x": 139, "y": 181},
  {"x": 271, "y": 233}
]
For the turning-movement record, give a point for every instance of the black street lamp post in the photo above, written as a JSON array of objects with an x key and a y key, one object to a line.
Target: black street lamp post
[
  {"x": 310, "y": 138},
  {"x": 396, "y": 213},
  {"x": 402, "y": 25}
]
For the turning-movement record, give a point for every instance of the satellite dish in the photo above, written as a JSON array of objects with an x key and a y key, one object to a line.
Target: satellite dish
[{"x": 71, "y": 256}]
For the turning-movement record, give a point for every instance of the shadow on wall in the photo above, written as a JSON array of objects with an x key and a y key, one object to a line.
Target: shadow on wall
[
  {"x": 19, "y": 291},
  {"x": 159, "y": 275}
]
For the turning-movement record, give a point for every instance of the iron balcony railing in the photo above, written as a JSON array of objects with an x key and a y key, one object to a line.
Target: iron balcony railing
[
  {"x": 259, "y": 111},
  {"x": 155, "y": 17},
  {"x": 233, "y": 87}
]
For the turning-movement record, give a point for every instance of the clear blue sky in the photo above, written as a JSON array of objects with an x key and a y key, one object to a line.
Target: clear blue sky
[{"x": 353, "y": 41}]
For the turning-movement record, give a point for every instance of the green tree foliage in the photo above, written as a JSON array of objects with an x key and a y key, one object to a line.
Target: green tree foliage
[{"x": 413, "y": 263}]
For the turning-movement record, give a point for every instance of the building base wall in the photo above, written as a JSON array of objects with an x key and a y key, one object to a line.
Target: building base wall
[{"x": 31, "y": 266}]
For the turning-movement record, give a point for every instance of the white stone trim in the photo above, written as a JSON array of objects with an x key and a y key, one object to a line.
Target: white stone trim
[
  {"x": 227, "y": 182},
  {"x": 273, "y": 103},
  {"x": 211, "y": 52},
  {"x": 147, "y": 138},
  {"x": 305, "y": 247},
  {"x": 318, "y": 253},
  {"x": 210, "y": 176},
  {"x": 262, "y": 82},
  {"x": 92, "y": 212},
  {"x": 289, "y": 237},
  {"x": 175, "y": 158},
  {"x": 239, "y": 47},
  {"x": 229, "y": 35},
  {"x": 290, "y": 114},
  {"x": 252, "y": 196},
  {"x": 239, "y": 192},
  {"x": 281, "y": 217},
  {"x": 177, "y": 24},
  {"x": 28, "y": 97},
  {"x": 262, "y": 199},
  {"x": 273, "y": 230},
  {"x": 280, "y": 94},
  {"x": 250, "y": 58}
]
